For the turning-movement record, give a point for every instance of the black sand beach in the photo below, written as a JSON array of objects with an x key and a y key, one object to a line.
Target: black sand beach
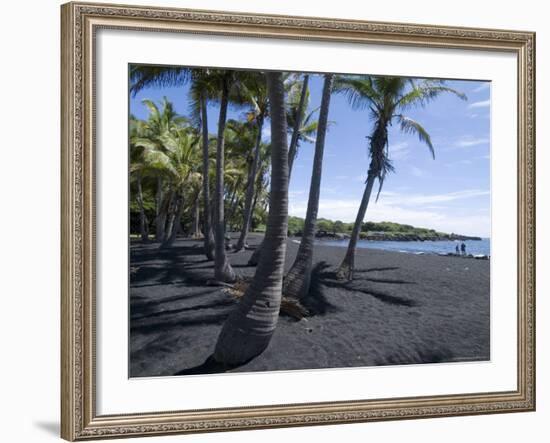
[{"x": 400, "y": 309}]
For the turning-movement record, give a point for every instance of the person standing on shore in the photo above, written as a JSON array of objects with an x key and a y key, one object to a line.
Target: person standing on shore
[
  {"x": 457, "y": 249},
  {"x": 463, "y": 248}
]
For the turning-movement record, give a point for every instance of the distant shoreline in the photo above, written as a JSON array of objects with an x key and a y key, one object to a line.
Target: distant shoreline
[
  {"x": 396, "y": 236},
  {"x": 442, "y": 248}
]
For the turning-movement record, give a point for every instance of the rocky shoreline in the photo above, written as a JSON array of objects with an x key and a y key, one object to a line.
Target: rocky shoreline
[{"x": 395, "y": 236}]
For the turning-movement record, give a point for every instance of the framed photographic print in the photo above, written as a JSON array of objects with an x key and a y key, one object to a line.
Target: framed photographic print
[{"x": 282, "y": 221}]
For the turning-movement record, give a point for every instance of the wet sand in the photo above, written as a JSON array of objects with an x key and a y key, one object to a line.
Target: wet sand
[{"x": 400, "y": 309}]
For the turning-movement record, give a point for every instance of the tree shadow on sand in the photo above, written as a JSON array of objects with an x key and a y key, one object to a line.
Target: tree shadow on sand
[
  {"x": 210, "y": 366},
  {"x": 153, "y": 266},
  {"x": 212, "y": 305},
  {"x": 329, "y": 279},
  {"x": 418, "y": 354},
  {"x": 165, "y": 325},
  {"x": 315, "y": 301}
]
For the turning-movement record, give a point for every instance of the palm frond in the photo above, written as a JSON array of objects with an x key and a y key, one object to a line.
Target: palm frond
[
  {"x": 160, "y": 161},
  {"x": 410, "y": 126},
  {"x": 143, "y": 142},
  {"x": 424, "y": 92},
  {"x": 144, "y": 76},
  {"x": 359, "y": 90}
]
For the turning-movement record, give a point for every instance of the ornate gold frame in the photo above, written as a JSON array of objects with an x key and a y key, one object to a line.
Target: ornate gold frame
[{"x": 78, "y": 416}]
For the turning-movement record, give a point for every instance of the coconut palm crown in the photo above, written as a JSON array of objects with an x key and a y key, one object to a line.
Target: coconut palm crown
[{"x": 387, "y": 99}]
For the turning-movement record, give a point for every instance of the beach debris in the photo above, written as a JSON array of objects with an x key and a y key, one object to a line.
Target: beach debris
[
  {"x": 293, "y": 308},
  {"x": 289, "y": 306},
  {"x": 219, "y": 283},
  {"x": 476, "y": 256}
]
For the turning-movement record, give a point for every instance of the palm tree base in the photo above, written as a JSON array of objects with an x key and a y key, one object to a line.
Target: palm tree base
[
  {"x": 297, "y": 282},
  {"x": 242, "y": 338},
  {"x": 345, "y": 272},
  {"x": 255, "y": 257},
  {"x": 225, "y": 274}
]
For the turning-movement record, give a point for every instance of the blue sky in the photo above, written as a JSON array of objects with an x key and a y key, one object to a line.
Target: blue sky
[{"x": 450, "y": 193}]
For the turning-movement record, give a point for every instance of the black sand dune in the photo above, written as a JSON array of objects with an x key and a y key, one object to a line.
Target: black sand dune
[{"x": 400, "y": 309}]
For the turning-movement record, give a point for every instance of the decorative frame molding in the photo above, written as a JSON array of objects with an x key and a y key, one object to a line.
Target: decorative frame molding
[{"x": 79, "y": 21}]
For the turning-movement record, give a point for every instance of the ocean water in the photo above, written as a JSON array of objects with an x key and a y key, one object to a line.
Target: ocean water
[{"x": 415, "y": 247}]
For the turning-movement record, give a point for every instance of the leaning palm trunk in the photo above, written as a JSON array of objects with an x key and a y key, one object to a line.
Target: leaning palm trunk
[
  {"x": 297, "y": 124},
  {"x": 143, "y": 223},
  {"x": 249, "y": 328},
  {"x": 345, "y": 271},
  {"x": 255, "y": 201},
  {"x": 163, "y": 217},
  {"x": 377, "y": 169},
  {"x": 233, "y": 200},
  {"x": 159, "y": 221},
  {"x": 298, "y": 279},
  {"x": 196, "y": 218},
  {"x": 250, "y": 189},
  {"x": 174, "y": 224},
  {"x": 207, "y": 226},
  {"x": 222, "y": 269},
  {"x": 170, "y": 216}
]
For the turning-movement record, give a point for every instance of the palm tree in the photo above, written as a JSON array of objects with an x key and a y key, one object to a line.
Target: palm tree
[
  {"x": 256, "y": 92},
  {"x": 169, "y": 149},
  {"x": 303, "y": 128},
  {"x": 249, "y": 328},
  {"x": 201, "y": 90},
  {"x": 207, "y": 215},
  {"x": 240, "y": 153},
  {"x": 181, "y": 161},
  {"x": 297, "y": 113},
  {"x": 386, "y": 98},
  {"x": 222, "y": 269},
  {"x": 159, "y": 122},
  {"x": 298, "y": 279},
  {"x": 138, "y": 167}
]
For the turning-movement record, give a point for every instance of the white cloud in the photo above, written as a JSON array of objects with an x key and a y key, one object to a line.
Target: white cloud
[
  {"x": 459, "y": 162},
  {"x": 480, "y": 104},
  {"x": 468, "y": 142},
  {"x": 482, "y": 87},
  {"x": 420, "y": 199},
  {"x": 421, "y": 210},
  {"x": 417, "y": 172},
  {"x": 399, "y": 151},
  {"x": 451, "y": 196}
]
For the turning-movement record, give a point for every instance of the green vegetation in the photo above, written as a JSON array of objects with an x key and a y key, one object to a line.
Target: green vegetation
[{"x": 373, "y": 231}]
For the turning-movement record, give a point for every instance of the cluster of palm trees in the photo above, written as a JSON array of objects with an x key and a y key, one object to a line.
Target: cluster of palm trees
[{"x": 176, "y": 154}]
